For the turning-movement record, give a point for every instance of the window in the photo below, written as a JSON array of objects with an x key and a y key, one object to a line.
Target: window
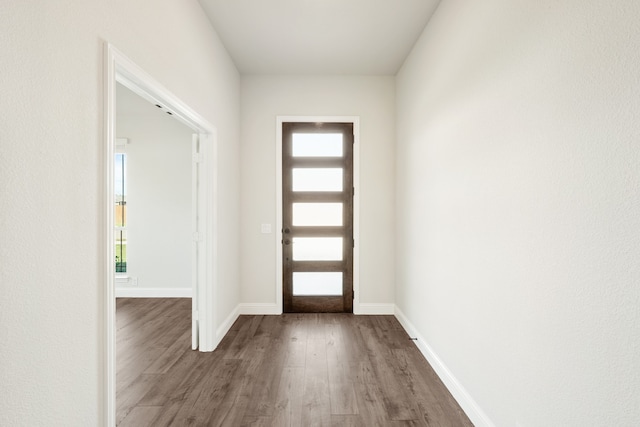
[{"x": 121, "y": 212}]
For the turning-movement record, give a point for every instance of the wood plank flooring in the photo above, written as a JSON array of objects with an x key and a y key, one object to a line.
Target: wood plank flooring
[{"x": 290, "y": 370}]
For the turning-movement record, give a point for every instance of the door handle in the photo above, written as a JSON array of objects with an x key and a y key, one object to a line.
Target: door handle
[
  {"x": 287, "y": 241},
  {"x": 286, "y": 231}
]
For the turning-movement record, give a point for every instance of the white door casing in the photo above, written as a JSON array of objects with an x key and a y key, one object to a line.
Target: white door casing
[{"x": 120, "y": 69}]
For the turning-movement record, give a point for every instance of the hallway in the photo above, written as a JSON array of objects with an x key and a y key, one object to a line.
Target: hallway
[{"x": 289, "y": 370}]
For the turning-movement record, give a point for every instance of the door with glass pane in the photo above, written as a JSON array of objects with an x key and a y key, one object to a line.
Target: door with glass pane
[{"x": 317, "y": 229}]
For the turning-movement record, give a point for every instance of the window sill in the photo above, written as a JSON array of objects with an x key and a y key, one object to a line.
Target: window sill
[{"x": 122, "y": 278}]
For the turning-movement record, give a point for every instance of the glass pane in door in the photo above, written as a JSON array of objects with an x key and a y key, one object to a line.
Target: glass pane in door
[
  {"x": 317, "y": 145},
  {"x": 317, "y": 248},
  {"x": 317, "y": 283},
  {"x": 317, "y": 214},
  {"x": 317, "y": 179}
]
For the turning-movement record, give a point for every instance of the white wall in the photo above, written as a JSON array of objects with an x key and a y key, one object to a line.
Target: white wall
[
  {"x": 52, "y": 180},
  {"x": 266, "y": 97},
  {"x": 158, "y": 197},
  {"x": 518, "y": 169}
]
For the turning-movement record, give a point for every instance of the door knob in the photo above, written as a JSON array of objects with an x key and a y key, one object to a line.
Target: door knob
[
  {"x": 286, "y": 231},
  {"x": 287, "y": 241}
]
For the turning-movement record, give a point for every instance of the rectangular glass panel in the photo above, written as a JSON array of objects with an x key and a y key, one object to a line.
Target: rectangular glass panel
[
  {"x": 317, "y": 145},
  {"x": 317, "y": 179},
  {"x": 317, "y": 248},
  {"x": 120, "y": 186},
  {"x": 121, "y": 251},
  {"x": 317, "y": 214},
  {"x": 120, "y": 216},
  {"x": 317, "y": 283}
]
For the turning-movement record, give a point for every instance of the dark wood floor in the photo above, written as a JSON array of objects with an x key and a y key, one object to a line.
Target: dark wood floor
[{"x": 289, "y": 370}]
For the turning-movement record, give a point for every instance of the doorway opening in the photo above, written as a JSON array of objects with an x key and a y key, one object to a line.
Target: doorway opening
[
  {"x": 155, "y": 196},
  {"x": 119, "y": 70}
]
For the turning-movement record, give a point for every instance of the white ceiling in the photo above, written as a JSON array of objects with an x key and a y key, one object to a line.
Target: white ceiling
[
  {"x": 130, "y": 103},
  {"x": 370, "y": 37}
]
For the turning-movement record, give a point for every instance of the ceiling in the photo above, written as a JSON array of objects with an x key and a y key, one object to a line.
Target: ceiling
[
  {"x": 130, "y": 103},
  {"x": 368, "y": 37}
]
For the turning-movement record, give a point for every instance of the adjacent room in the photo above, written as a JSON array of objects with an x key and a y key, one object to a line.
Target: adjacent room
[{"x": 468, "y": 254}]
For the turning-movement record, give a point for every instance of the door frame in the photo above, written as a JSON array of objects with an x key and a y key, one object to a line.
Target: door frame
[
  {"x": 120, "y": 69},
  {"x": 356, "y": 201}
]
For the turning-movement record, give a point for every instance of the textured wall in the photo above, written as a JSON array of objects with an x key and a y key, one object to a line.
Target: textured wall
[
  {"x": 266, "y": 97},
  {"x": 519, "y": 206},
  {"x": 51, "y": 184}
]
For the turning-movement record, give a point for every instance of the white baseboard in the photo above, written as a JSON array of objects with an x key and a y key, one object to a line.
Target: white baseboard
[
  {"x": 260, "y": 308},
  {"x": 374, "y": 309},
  {"x": 274, "y": 309},
  {"x": 464, "y": 399},
  {"x": 153, "y": 292}
]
